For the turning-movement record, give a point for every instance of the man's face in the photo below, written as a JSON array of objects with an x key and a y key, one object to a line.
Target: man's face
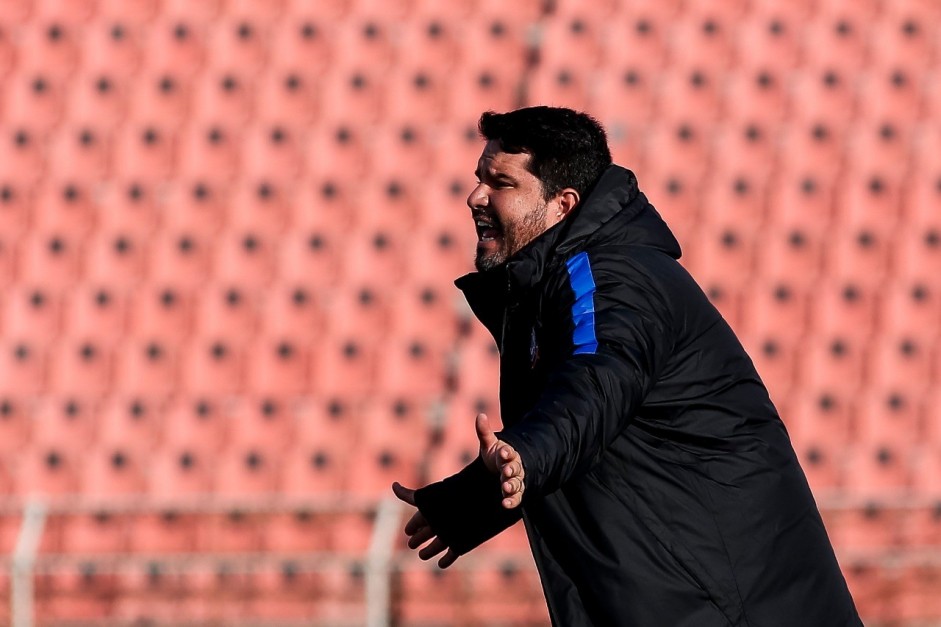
[{"x": 507, "y": 205}]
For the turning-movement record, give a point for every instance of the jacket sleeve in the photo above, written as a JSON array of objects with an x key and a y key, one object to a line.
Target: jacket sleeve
[
  {"x": 465, "y": 509},
  {"x": 620, "y": 325}
]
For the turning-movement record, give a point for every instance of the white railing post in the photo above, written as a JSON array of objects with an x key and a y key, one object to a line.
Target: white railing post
[
  {"x": 24, "y": 556},
  {"x": 379, "y": 564}
]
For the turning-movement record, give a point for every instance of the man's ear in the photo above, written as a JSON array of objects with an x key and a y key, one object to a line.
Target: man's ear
[{"x": 568, "y": 200}]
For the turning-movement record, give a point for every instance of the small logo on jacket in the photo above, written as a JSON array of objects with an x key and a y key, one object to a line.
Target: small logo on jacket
[{"x": 533, "y": 349}]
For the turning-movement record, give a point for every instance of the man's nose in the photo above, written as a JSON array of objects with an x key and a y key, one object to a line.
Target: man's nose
[{"x": 477, "y": 198}]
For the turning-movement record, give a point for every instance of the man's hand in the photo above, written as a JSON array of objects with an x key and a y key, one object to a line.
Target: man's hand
[
  {"x": 419, "y": 531},
  {"x": 502, "y": 460}
]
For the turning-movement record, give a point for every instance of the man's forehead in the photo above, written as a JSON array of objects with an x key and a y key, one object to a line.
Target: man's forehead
[{"x": 493, "y": 157}]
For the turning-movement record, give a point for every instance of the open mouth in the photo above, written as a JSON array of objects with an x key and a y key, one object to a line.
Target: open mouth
[{"x": 487, "y": 231}]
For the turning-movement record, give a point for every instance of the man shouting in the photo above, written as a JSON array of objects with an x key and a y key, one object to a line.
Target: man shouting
[{"x": 656, "y": 481}]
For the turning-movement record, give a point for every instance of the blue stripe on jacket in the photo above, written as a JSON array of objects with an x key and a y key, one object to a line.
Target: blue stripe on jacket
[{"x": 583, "y": 309}]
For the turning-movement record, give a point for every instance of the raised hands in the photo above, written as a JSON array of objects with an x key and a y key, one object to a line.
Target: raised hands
[{"x": 502, "y": 460}]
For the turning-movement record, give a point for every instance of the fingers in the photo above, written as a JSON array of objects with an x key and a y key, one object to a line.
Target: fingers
[
  {"x": 415, "y": 523},
  {"x": 485, "y": 433},
  {"x": 434, "y": 547},
  {"x": 420, "y": 537},
  {"x": 512, "y": 474},
  {"x": 449, "y": 558},
  {"x": 404, "y": 494}
]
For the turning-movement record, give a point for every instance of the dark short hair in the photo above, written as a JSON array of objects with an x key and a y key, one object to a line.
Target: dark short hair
[{"x": 567, "y": 148}]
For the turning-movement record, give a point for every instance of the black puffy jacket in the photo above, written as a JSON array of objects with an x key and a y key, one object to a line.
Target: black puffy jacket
[{"x": 661, "y": 486}]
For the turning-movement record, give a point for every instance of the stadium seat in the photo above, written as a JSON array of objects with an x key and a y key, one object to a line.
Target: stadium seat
[
  {"x": 877, "y": 470},
  {"x": 736, "y": 196},
  {"x": 383, "y": 455},
  {"x": 413, "y": 604},
  {"x": 179, "y": 257},
  {"x": 32, "y": 313},
  {"x": 426, "y": 310},
  {"x": 177, "y": 471},
  {"x": 129, "y": 206},
  {"x": 893, "y": 92},
  {"x": 723, "y": 250},
  {"x": 266, "y": 422},
  {"x": 889, "y": 415},
  {"x": 801, "y": 196},
  {"x": 369, "y": 249},
  {"x": 477, "y": 372},
  {"x": 115, "y": 258},
  {"x": 305, "y": 39},
  {"x": 823, "y": 95},
  {"x": 66, "y": 422},
  {"x": 353, "y": 92},
  {"x": 706, "y": 33},
  {"x": 272, "y": 152},
  {"x": 443, "y": 251},
  {"x": 287, "y": 592},
  {"x": 51, "y": 257},
  {"x": 338, "y": 153},
  {"x": 224, "y": 98},
  {"x": 113, "y": 469},
  {"x": 899, "y": 359},
  {"x": 279, "y": 366},
  {"x": 403, "y": 150},
  {"x": 147, "y": 364},
  {"x": 144, "y": 150},
  {"x": 775, "y": 307},
  {"x": 843, "y": 307},
  {"x": 227, "y": 309},
  {"x": 162, "y": 531},
  {"x": 80, "y": 366},
  {"x": 49, "y": 46},
  {"x": 790, "y": 253},
  {"x": 690, "y": 94},
  {"x": 232, "y": 531},
  {"x": 47, "y": 470},
  {"x": 16, "y": 200},
  {"x": 65, "y": 205},
  {"x": 209, "y": 153},
  {"x": 79, "y": 152},
  {"x": 834, "y": 361},
  {"x": 918, "y": 251},
  {"x": 176, "y": 41},
  {"x": 758, "y": 95},
  {"x": 16, "y": 425},
  {"x": 905, "y": 33},
  {"x": 99, "y": 99},
  {"x": 244, "y": 470},
  {"x": 161, "y": 94},
  {"x": 910, "y": 307},
  {"x": 416, "y": 92},
  {"x": 238, "y": 41},
  {"x": 769, "y": 37},
  {"x": 111, "y": 46},
  {"x": 818, "y": 413},
  {"x": 562, "y": 84},
  {"x": 213, "y": 366},
  {"x": 259, "y": 205},
  {"x": 623, "y": 100},
  {"x": 21, "y": 158},
  {"x": 293, "y": 311},
  {"x": 135, "y": 422},
  {"x": 838, "y": 37},
  {"x": 572, "y": 37},
  {"x": 638, "y": 37},
  {"x": 874, "y": 526},
  {"x": 23, "y": 367},
  {"x": 199, "y": 425},
  {"x": 412, "y": 365},
  {"x": 245, "y": 256},
  {"x": 823, "y": 462},
  {"x": 859, "y": 253},
  {"x": 495, "y": 39},
  {"x": 774, "y": 358},
  {"x": 162, "y": 310},
  {"x": 872, "y": 588}
]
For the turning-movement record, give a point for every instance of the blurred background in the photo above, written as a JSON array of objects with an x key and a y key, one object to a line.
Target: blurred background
[{"x": 228, "y": 235}]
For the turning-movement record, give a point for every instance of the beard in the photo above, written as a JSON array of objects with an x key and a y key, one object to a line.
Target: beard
[{"x": 513, "y": 237}]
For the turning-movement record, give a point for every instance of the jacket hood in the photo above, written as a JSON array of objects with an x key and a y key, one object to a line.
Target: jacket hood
[{"x": 614, "y": 211}]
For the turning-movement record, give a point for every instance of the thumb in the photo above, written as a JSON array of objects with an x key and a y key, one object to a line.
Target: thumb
[
  {"x": 484, "y": 433},
  {"x": 404, "y": 494}
]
